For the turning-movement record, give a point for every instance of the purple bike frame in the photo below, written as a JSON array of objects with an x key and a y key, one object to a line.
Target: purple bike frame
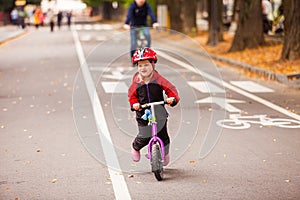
[
  {"x": 153, "y": 140},
  {"x": 154, "y": 137}
]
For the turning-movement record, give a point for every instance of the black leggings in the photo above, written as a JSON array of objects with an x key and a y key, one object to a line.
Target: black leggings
[{"x": 145, "y": 132}]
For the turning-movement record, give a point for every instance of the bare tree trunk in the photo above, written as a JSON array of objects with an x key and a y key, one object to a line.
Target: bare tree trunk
[
  {"x": 249, "y": 33},
  {"x": 175, "y": 14},
  {"x": 215, "y": 29},
  {"x": 291, "y": 44},
  {"x": 189, "y": 16},
  {"x": 107, "y": 10}
]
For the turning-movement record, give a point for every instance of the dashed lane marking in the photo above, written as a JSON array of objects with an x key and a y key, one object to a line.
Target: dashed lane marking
[
  {"x": 115, "y": 87},
  {"x": 206, "y": 87},
  {"x": 251, "y": 86}
]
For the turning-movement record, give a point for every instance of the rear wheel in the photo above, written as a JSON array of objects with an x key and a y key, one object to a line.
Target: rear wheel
[
  {"x": 156, "y": 163},
  {"x": 141, "y": 40}
]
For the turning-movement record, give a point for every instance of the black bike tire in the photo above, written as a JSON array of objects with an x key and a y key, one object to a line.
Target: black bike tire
[
  {"x": 156, "y": 163},
  {"x": 143, "y": 41}
]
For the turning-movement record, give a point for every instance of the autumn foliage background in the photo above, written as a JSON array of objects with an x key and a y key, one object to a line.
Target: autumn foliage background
[{"x": 266, "y": 57}]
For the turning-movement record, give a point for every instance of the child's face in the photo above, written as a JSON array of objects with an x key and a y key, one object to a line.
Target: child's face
[
  {"x": 145, "y": 68},
  {"x": 140, "y": 3}
]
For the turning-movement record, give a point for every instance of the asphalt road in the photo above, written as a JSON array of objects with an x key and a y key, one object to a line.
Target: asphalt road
[{"x": 66, "y": 128}]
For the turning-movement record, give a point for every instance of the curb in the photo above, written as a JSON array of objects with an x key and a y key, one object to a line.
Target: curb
[{"x": 291, "y": 80}]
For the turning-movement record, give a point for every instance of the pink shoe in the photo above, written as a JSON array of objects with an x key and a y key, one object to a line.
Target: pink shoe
[
  {"x": 167, "y": 160},
  {"x": 135, "y": 155}
]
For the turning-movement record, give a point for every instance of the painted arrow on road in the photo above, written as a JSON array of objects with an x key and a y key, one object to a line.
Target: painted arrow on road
[
  {"x": 116, "y": 75},
  {"x": 222, "y": 102}
]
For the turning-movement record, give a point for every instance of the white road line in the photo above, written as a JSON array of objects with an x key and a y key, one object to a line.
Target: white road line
[
  {"x": 206, "y": 87},
  {"x": 87, "y": 27},
  {"x": 223, "y": 103},
  {"x": 251, "y": 86},
  {"x": 231, "y": 87},
  {"x": 118, "y": 181},
  {"x": 86, "y": 38},
  {"x": 115, "y": 87}
]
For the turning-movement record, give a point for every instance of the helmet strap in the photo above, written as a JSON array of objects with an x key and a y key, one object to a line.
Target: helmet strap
[{"x": 153, "y": 64}]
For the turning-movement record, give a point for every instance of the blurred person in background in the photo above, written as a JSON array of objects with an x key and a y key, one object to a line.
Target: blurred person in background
[
  {"x": 69, "y": 16},
  {"x": 137, "y": 15},
  {"x": 14, "y": 16},
  {"x": 51, "y": 17},
  {"x": 37, "y": 17},
  {"x": 59, "y": 18},
  {"x": 267, "y": 13}
]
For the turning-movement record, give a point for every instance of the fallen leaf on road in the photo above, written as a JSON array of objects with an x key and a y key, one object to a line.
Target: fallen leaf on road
[
  {"x": 54, "y": 180},
  {"x": 204, "y": 181},
  {"x": 287, "y": 180},
  {"x": 38, "y": 150},
  {"x": 130, "y": 176},
  {"x": 192, "y": 161},
  {"x": 7, "y": 189}
]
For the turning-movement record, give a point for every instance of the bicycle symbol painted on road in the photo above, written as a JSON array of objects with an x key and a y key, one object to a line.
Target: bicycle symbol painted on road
[{"x": 237, "y": 121}]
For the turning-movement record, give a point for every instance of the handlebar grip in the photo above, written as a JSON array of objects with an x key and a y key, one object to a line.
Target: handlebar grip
[{"x": 174, "y": 102}]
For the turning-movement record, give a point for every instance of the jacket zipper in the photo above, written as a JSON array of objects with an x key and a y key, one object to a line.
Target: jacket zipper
[{"x": 148, "y": 93}]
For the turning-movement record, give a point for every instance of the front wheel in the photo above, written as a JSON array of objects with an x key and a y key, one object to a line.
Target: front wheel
[
  {"x": 286, "y": 123},
  {"x": 156, "y": 162}
]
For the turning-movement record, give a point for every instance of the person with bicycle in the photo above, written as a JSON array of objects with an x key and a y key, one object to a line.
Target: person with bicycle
[
  {"x": 149, "y": 86},
  {"x": 137, "y": 15}
]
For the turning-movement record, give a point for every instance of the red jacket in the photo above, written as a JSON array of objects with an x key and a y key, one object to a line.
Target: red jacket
[{"x": 140, "y": 92}]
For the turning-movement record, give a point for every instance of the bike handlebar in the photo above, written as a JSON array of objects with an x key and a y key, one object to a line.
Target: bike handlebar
[
  {"x": 153, "y": 104},
  {"x": 157, "y": 103}
]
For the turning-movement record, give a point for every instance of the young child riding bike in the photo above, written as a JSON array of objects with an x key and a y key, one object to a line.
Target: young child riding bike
[
  {"x": 149, "y": 86},
  {"x": 136, "y": 17}
]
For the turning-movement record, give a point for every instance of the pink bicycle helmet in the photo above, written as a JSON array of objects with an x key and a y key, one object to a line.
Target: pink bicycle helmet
[{"x": 144, "y": 54}]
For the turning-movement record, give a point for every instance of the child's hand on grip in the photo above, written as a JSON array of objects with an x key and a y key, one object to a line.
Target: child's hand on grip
[
  {"x": 170, "y": 100},
  {"x": 136, "y": 106}
]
